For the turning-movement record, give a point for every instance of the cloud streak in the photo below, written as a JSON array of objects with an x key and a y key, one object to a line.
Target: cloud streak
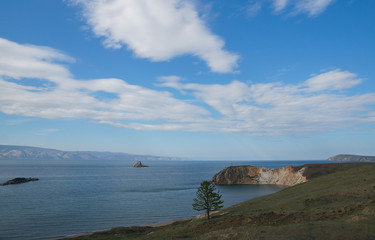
[
  {"x": 278, "y": 109},
  {"x": 46, "y": 131},
  {"x": 309, "y": 7},
  {"x": 35, "y": 82},
  {"x": 158, "y": 30}
]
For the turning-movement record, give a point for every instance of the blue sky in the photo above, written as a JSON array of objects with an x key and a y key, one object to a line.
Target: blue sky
[{"x": 225, "y": 80}]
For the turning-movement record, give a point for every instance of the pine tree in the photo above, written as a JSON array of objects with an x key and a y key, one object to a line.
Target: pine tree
[{"x": 207, "y": 199}]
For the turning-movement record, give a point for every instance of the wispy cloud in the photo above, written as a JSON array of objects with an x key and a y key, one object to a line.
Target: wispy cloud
[
  {"x": 253, "y": 8},
  {"x": 333, "y": 80},
  {"x": 320, "y": 103},
  {"x": 157, "y": 30},
  {"x": 277, "y": 108},
  {"x": 17, "y": 121},
  {"x": 46, "y": 131},
  {"x": 309, "y": 7},
  {"x": 279, "y": 5}
]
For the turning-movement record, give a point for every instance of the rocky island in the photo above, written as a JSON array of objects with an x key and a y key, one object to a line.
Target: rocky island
[
  {"x": 19, "y": 180},
  {"x": 139, "y": 164}
]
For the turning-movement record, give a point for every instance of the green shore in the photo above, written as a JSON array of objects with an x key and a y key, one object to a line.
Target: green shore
[{"x": 334, "y": 204}]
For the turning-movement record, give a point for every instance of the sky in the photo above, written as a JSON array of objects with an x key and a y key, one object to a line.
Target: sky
[{"x": 199, "y": 79}]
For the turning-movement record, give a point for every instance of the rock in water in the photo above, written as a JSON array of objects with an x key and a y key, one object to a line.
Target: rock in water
[
  {"x": 139, "y": 164},
  {"x": 19, "y": 180}
]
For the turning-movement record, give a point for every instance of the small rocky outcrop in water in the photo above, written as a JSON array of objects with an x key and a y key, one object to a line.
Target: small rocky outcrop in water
[
  {"x": 287, "y": 176},
  {"x": 19, "y": 181},
  {"x": 139, "y": 164}
]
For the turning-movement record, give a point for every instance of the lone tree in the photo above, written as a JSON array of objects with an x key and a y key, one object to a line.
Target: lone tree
[{"x": 207, "y": 199}]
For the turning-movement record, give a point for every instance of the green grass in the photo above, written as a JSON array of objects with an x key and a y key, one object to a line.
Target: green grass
[{"x": 337, "y": 205}]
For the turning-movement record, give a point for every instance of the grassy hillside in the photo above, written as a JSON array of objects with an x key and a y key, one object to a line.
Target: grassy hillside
[{"x": 338, "y": 205}]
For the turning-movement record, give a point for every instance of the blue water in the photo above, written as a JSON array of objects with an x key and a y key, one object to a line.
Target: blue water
[{"x": 77, "y": 197}]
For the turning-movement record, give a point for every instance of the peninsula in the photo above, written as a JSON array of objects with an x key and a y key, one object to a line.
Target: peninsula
[
  {"x": 352, "y": 158},
  {"x": 287, "y": 176}
]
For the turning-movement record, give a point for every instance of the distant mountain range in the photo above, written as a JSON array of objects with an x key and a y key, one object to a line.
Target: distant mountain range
[
  {"x": 35, "y": 153},
  {"x": 351, "y": 158}
]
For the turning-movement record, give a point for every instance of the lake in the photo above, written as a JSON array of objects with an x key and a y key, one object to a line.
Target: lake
[{"x": 74, "y": 197}]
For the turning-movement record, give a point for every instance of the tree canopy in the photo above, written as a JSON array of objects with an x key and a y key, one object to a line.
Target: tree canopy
[{"x": 207, "y": 199}]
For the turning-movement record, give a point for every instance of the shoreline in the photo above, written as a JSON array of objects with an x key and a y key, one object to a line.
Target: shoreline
[
  {"x": 151, "y": 225},
  {"x": 162, "y": 224}
]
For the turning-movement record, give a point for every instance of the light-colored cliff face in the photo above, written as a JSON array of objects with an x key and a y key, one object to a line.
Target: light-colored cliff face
[
  {"x": 281, "y": 176},
  {"x": 287, "y": 176}
]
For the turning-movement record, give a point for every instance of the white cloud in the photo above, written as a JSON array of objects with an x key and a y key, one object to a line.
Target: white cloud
[
  {"x": 171, "y": 81},
  {"x": 311, "y": 106},
  {"x": 158, "y": 30},
  {"x": 18, "y": 61},
  {"x": 277, "y": 108},
  {"x": 310, "y": 7},
  {"x": 333, "y": 80},
  {"x": 71, "y": 98}
]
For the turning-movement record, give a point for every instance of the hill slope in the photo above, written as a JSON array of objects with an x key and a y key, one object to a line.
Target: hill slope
[
  {"x": 34, "y": 153},
  {"x": 338, "y": 205}
]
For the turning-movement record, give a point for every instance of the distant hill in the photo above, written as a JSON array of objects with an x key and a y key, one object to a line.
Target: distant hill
[
  {"x": 351, "y": 158},
  {"x": 36, "y": 153}
]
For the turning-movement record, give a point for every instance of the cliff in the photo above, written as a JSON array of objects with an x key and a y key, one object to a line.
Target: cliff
[
  {"x": 351, "y": 158},
  {"x": 288, "y": 176}
]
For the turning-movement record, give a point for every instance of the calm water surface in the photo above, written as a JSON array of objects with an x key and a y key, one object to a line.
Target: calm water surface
[{"x": 85, "y": 196}]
